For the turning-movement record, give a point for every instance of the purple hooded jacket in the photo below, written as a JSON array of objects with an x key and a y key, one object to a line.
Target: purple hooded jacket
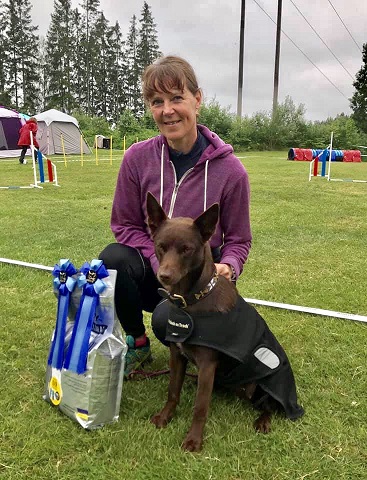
[{"x": 218, "y": 176}]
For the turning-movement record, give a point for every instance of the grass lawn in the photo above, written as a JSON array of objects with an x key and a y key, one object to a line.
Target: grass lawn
[{"x": 309, "y": 249}]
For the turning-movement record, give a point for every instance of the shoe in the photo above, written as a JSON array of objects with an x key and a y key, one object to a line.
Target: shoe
[{"x": 136, "y": 356}]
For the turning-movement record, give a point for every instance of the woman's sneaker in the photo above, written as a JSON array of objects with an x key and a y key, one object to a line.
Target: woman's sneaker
[{"x": 136, "y": 357}]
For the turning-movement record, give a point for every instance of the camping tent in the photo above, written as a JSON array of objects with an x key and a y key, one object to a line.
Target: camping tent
[
  {"x": 57, "y": 132},
  {"x": 10, "y": 123}
]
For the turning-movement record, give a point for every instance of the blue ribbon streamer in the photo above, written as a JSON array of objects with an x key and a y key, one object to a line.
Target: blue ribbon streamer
[
  {"x": 64, "y": 284},
  {"x": 92, "y": 284}
]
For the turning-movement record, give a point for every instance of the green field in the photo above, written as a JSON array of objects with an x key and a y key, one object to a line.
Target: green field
[{"x": 309, "y": 248}]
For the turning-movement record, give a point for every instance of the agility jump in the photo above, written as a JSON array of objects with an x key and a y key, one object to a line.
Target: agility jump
[
  {"x": 325, "y": 157},
  {"x": 322, "y": 156},
  {"x": 38, "y": 173}
]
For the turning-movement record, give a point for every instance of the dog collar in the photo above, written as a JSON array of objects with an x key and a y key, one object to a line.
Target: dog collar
[{"x": 183, "y": 302}]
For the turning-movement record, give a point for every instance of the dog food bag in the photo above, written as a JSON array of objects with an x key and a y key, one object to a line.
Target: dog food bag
[{"x": 85, "y": 367}]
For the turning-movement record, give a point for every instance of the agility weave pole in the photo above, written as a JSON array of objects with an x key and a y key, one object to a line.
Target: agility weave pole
[{"x": 284, "y": 306}]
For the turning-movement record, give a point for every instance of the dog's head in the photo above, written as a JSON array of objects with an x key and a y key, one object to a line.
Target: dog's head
[{"x": 179, "y": 242}]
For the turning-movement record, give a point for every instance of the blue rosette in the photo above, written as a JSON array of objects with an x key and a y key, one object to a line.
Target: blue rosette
[
  {"x": 92, "y": 286},
  {"x": 64, "y": 284}
]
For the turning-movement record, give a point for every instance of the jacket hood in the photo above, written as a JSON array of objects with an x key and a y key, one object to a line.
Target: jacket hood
[
  {"x": 219, "y": 147},
  {"x": 216, "y": 150}
]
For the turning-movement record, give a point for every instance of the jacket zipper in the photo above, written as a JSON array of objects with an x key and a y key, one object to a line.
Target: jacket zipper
[{"x": 177, "y": 185}]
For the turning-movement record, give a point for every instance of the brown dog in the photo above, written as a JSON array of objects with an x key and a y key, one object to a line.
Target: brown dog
[{"x": 212, "y": 326}]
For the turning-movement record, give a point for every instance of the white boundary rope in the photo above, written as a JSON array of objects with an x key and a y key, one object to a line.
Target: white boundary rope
[
  {"x": 285, "y": 306},
  {"x": 313, "y": 311},
  {"x": 26, "y": 264}
]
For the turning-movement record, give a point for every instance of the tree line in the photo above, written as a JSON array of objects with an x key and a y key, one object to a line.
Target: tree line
[
  {"x": 83, "y": 64},
  {"x": 86, "y": 67},
  {"x": 261, "y": 131}
]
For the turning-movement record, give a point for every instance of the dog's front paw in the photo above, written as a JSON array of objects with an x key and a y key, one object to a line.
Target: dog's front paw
[
  {"x": 263, "y": 423},
  {"x": 192, "y": 443},
  {"x": 160, "y": 420}
]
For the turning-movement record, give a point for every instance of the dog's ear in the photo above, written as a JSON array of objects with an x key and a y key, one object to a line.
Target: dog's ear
[
  {"x": 207, "y": 221},
  {"x": 156, "y": 215}
]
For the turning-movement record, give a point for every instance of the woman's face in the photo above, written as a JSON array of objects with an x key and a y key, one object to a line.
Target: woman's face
[{"x": 175, "y": 115}]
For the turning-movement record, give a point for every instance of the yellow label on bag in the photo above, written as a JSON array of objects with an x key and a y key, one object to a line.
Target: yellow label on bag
[{"x": 54, "y": 391}]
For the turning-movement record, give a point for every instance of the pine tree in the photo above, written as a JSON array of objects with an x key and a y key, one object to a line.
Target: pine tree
[
  {"x": 88, "y": 60},
  {"x": 116, "y": 98},
  {"x": 43, "y": 85},
  {"x": 22, "y": 43},
  {"x": 58, "y": 58},
  {"x": 135, "y": 103},
  {"x": 4, "y": 60},
  {"x": 358, "y": 101},
  {"x": 148, "y": 48},
  {"x": 78, "y": 78},
  {"x": 100, "y": 86}
]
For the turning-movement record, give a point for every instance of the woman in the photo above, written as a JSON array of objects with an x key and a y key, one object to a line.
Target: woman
[
  {"x": 188, "y": 168},
  {"x": 31, "y": 125}
]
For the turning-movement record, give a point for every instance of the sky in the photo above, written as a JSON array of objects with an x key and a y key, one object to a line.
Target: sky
[{"x": 330, "y": 33}]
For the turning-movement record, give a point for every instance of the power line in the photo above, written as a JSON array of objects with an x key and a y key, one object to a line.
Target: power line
[
  {"x": 303, "y": 53},
  {"x": 315, "y": 31},
  {"x": 345, "y": 26}
]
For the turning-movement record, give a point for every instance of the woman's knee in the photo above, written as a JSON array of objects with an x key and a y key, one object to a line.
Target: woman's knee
[{"x": 122, "y": 257}]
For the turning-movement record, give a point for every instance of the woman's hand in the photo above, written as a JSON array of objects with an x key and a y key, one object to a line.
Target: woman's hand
[{"x": 224, "y": 269}]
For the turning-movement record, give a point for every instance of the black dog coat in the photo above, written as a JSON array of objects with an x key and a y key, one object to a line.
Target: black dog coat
[{"x": 255, "y": 355}]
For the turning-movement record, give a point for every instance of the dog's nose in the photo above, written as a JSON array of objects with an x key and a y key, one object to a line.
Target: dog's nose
[{"x": 164, "y": 277}]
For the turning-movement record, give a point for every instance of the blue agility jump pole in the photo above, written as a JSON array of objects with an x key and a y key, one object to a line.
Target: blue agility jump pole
[{"x": 40, "y": 166}]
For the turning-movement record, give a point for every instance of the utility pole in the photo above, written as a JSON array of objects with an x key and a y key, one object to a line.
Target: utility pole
[
  {"x": 277, "y": 55},
  {"x": 240, "y": 62}
]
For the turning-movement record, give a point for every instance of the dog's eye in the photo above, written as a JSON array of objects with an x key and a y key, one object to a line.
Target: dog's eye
[
  {"x": 185, "y": 249},
  {"x": 162, "y": 247}
]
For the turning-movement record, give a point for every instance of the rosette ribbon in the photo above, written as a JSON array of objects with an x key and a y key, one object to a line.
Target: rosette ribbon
[
  {"x": 64, "y": 284},
  {"x": 92, "y": 286}
]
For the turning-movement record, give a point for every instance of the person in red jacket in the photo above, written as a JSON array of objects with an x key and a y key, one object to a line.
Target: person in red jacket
[{"x": 25, "y": 138}]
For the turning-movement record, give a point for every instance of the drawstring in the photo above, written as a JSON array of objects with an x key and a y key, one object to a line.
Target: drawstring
[
  {"x": 205, "y": 182},
  {"x": 161, "y": 193}
]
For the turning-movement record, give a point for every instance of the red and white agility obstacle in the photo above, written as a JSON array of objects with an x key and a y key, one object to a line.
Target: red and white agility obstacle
[{"x": 326, "y": 157}]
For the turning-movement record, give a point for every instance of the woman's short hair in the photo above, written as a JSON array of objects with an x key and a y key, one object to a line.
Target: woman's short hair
[{"x": 168, "y": 73}]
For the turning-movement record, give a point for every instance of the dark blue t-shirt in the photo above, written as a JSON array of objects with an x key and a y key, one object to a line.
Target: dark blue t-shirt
[{"x": 184, "y": 161}]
